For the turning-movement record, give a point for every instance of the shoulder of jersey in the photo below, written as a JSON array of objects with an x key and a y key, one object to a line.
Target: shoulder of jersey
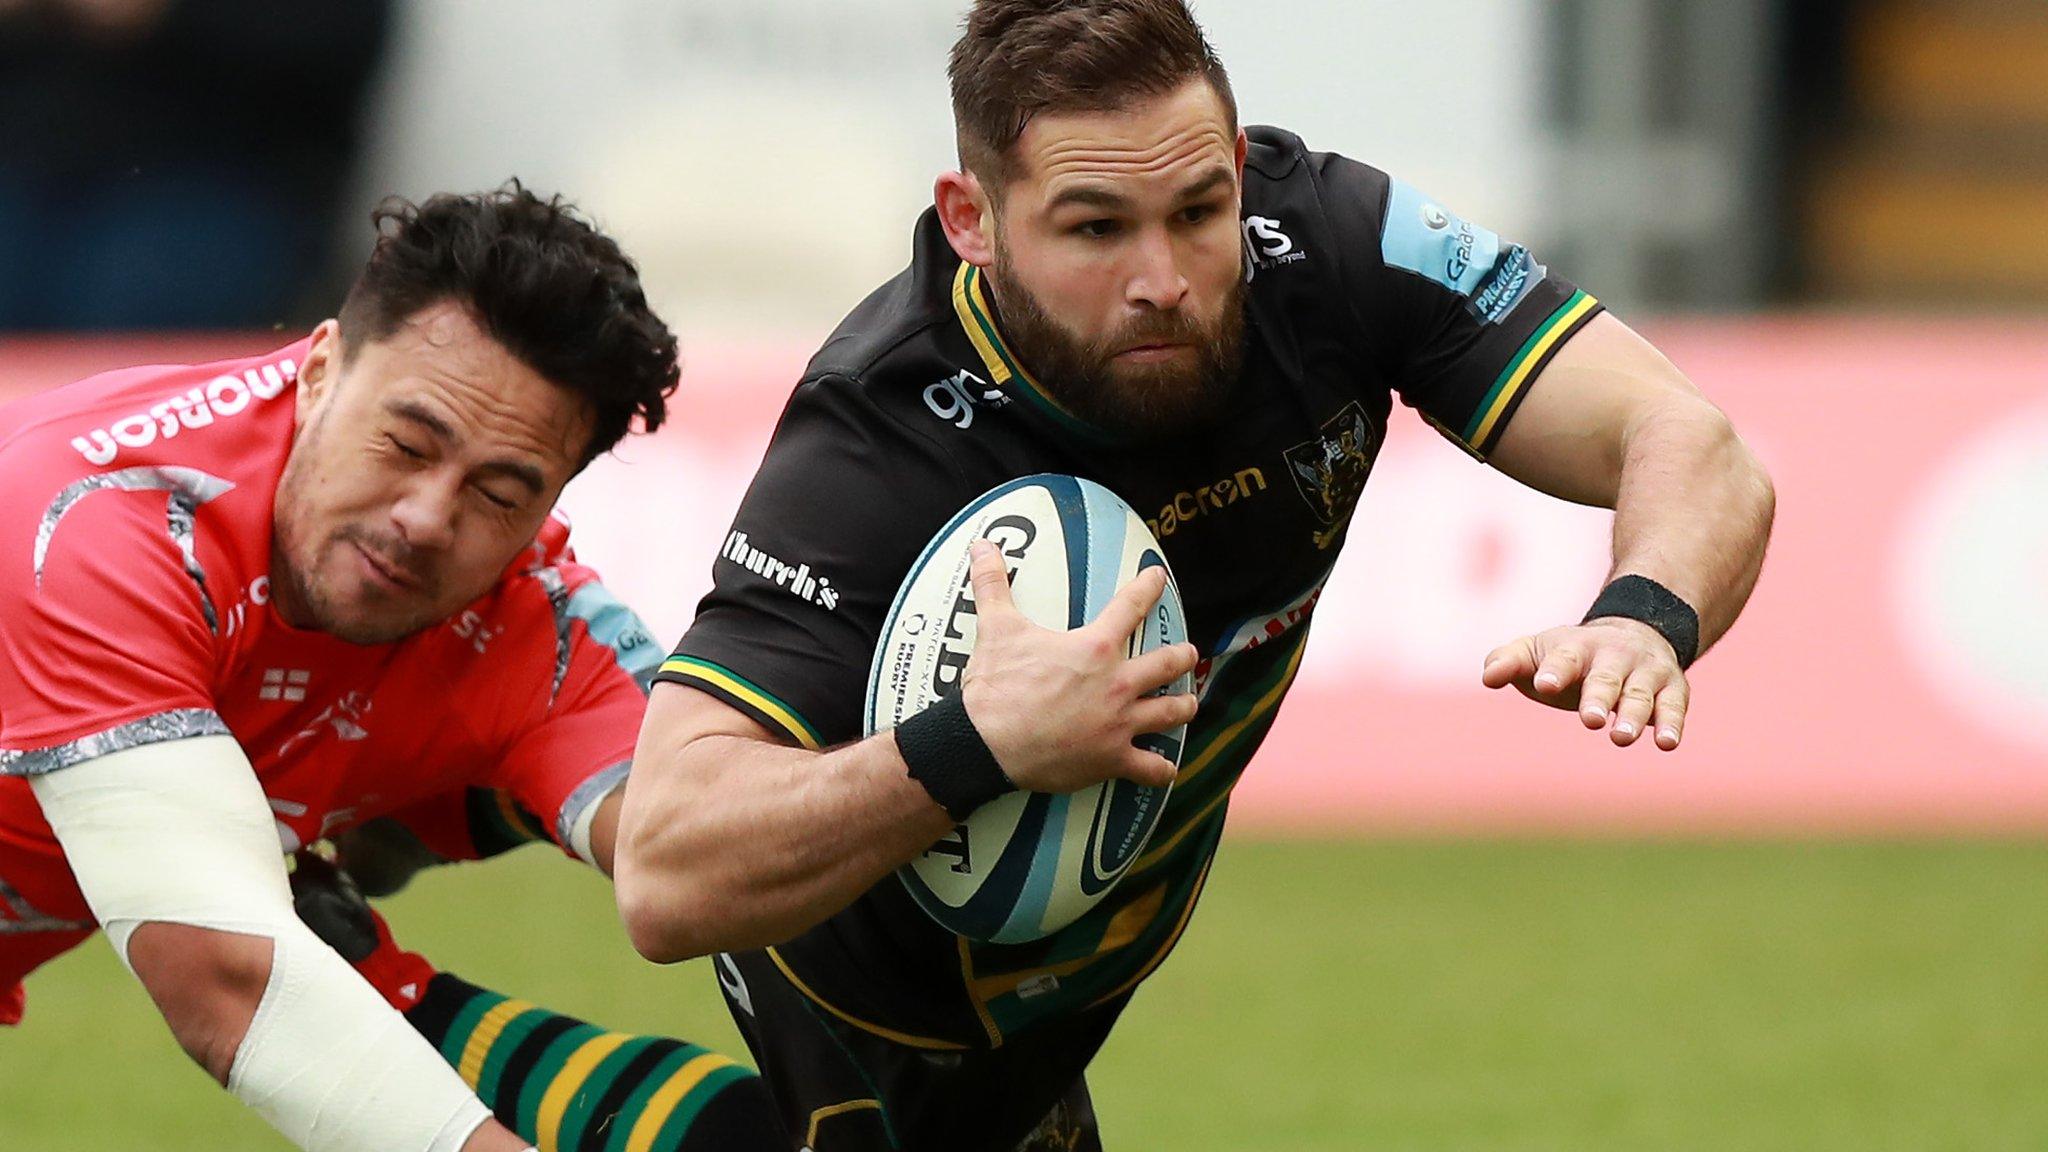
[
  {"x": 1272, "y": 152},
  {"x": 902, "y": 352},
  {"x": 149, "y": 415}
]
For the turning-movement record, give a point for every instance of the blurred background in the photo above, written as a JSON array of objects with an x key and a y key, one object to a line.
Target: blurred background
[{"x": 1444, "y": 919}]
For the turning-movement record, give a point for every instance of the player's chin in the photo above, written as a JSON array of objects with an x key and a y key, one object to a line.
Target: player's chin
[
  {"x": 372, "y": 616},
  {"x": 1159, "y": 400}
]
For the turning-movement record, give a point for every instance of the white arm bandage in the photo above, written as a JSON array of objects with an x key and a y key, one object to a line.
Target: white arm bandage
[{"x": 179, "y": 832}]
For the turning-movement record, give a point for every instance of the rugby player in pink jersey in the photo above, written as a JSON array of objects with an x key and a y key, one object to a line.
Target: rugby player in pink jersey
[{"x": 272, "y": 599}]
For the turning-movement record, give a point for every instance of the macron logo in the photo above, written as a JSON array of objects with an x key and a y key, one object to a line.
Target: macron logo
[{"x": 796, "y": 579}]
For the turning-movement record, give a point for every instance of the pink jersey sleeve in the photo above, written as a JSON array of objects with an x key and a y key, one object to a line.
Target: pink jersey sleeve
[
  {"x": 107, "y": 628},
  {"x": 580, "y": 748}
]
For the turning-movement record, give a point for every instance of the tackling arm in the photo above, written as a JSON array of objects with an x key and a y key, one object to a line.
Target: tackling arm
[{"x": 269, "y": 1010}]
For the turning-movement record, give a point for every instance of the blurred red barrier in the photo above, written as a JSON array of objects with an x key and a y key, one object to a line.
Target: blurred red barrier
[{"x": 1891, "y": 673}]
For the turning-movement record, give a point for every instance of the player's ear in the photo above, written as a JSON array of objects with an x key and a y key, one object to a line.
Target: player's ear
[
  {"x": 968, "y": 216},
  {"x": 1243, "y": 148},
  {"x": 318, "y": 373}
]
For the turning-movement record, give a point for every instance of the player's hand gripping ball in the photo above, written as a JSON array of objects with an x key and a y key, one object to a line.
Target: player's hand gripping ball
[{"x": 1027, "y": 864}]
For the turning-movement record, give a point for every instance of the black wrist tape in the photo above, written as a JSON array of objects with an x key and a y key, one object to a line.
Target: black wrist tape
[
  {"x": 1641, "y": 598},
  {"x": 950, "y": 759}
]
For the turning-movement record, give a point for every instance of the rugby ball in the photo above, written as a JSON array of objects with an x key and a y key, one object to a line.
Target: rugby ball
[{"x": 1027, "y": 864}]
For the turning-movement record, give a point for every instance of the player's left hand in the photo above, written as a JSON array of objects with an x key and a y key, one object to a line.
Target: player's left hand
[{"x": 1611, "y": 669}]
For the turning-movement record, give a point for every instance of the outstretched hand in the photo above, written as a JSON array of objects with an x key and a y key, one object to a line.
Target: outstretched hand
[{"x": 1610, "y": 669}]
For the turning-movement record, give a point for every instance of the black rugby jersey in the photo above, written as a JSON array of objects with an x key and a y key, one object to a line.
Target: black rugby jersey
[{"x": 1361, "y": 289}]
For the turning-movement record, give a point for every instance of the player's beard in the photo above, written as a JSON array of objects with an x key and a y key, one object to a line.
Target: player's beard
[{"x": 1133, "y": 401}]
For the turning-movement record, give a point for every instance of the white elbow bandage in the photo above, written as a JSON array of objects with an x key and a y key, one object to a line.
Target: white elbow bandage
[{"x": 180, "y": 833}]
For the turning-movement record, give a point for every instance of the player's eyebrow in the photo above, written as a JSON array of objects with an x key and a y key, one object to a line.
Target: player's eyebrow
[
  {"x": 517, "y": 470},
  {"x": 1216, "y": 180},
  {"x": 1088, "y": 196},
  {"x": 423, "y": 416},
  {"x": 1094, "y": 196}
]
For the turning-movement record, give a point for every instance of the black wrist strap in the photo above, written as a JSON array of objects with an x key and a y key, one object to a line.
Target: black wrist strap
[
  {"x": 1641, "y": 598},
  {"x": 948, "y": 756}
]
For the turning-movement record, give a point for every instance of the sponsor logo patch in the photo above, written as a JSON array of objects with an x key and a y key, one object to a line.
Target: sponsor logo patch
[
  {"x": 1424, "y": 237},
  {"x": 221, "y": 397},
  {"x": 799, "y": 580},
  {"x": 955, "y": 398},
  {"x": 1513, "y": 276},
  {"x": 1186, "y": 507},
  {"x": 1267, "y": 245}
]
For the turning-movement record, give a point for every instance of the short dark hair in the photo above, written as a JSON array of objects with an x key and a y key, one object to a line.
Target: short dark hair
[
  {"x": 541, "y": 280},
  {"x": 1016, "y": 59}
]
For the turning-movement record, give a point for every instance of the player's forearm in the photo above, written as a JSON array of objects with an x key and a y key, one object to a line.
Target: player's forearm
[
  {"x": 737, "y": 843},
  {"x": 258, "y": 999},
  {"x": 1693, "y": 510}
]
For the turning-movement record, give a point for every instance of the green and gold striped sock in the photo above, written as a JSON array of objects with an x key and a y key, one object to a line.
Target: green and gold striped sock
[{"x": 573, "y": 1087}]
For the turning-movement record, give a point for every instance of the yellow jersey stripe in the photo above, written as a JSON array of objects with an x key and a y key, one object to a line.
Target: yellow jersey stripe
[
  {"x": 577, "y": 1069},
  {"x": 976, "y": 333},
  {"x": 839, "y": 1109},
  {"x": 786, "y": 717},
  {"x": 1159, "y": 957},
  {"x": 1223, "y": 740},
  {"x": 1123, "y": 928},
  {"x": 971, "y": 302},
  {"x": 988, "y": 1022},
  {"x": 1525, "y": 363},
  {"x": 903, "y": 1038},
  {"x": 664, "y": 1101}
]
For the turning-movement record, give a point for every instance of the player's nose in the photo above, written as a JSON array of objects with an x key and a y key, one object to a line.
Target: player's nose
[
  {"x": 1157, "y": 280},
  {"x": 424, "y": 513}
]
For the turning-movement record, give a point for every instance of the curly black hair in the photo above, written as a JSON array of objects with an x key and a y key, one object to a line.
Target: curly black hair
[{"x": 541, "y": 280}]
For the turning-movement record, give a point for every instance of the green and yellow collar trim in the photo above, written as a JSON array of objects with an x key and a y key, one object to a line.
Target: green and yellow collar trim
[{"x": 970, "y": 301}]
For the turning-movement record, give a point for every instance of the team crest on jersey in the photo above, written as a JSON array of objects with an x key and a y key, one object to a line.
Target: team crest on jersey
[{"x": 1330, "y": 471}]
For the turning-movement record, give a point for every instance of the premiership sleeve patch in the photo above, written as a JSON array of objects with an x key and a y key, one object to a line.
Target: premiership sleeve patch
[{"x": 1421, "y": 236}]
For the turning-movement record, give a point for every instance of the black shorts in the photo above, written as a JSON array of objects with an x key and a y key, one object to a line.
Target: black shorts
[{"x": 840, "y": 1088}]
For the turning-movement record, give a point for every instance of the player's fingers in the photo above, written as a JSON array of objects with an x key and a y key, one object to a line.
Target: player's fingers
[
  {"x": 1509, "y": 663},
  {"x": 1148, "y": 768},
  {"x": 1131, "y": 604},
  {"x": 1159, "y": 713},
  {"x": 1559, "y": 666},
  {"x": 1601, "y": 687},
  {"x": 1158, "y": 668},
  {"x": 1638, "y": 701},
  {"x": 1672, "y": 703},
  {"x": 991, "y": 580}
]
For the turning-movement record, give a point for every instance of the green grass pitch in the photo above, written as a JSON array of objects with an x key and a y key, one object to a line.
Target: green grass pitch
[{"x": 1332, "y": 995}]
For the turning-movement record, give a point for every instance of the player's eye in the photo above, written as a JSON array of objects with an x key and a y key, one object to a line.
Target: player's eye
[
  {"x": 497, "y": 500},
  {"x": 407, "y": 450},
  {"x": 1196, "y": 213},
  {"x": 1096, "y": 229}
]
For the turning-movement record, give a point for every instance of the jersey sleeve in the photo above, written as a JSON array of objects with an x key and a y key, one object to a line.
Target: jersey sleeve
[
  {"x": 582, "y": 745},
  {"x": 1461, "y": 320},
  {"x": 845, "y": 498},
  {"x": 107, "y": 626}
]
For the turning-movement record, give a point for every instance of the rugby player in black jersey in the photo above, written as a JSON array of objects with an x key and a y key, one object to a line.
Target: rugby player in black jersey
[{"x": 1122, "y": 284}]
